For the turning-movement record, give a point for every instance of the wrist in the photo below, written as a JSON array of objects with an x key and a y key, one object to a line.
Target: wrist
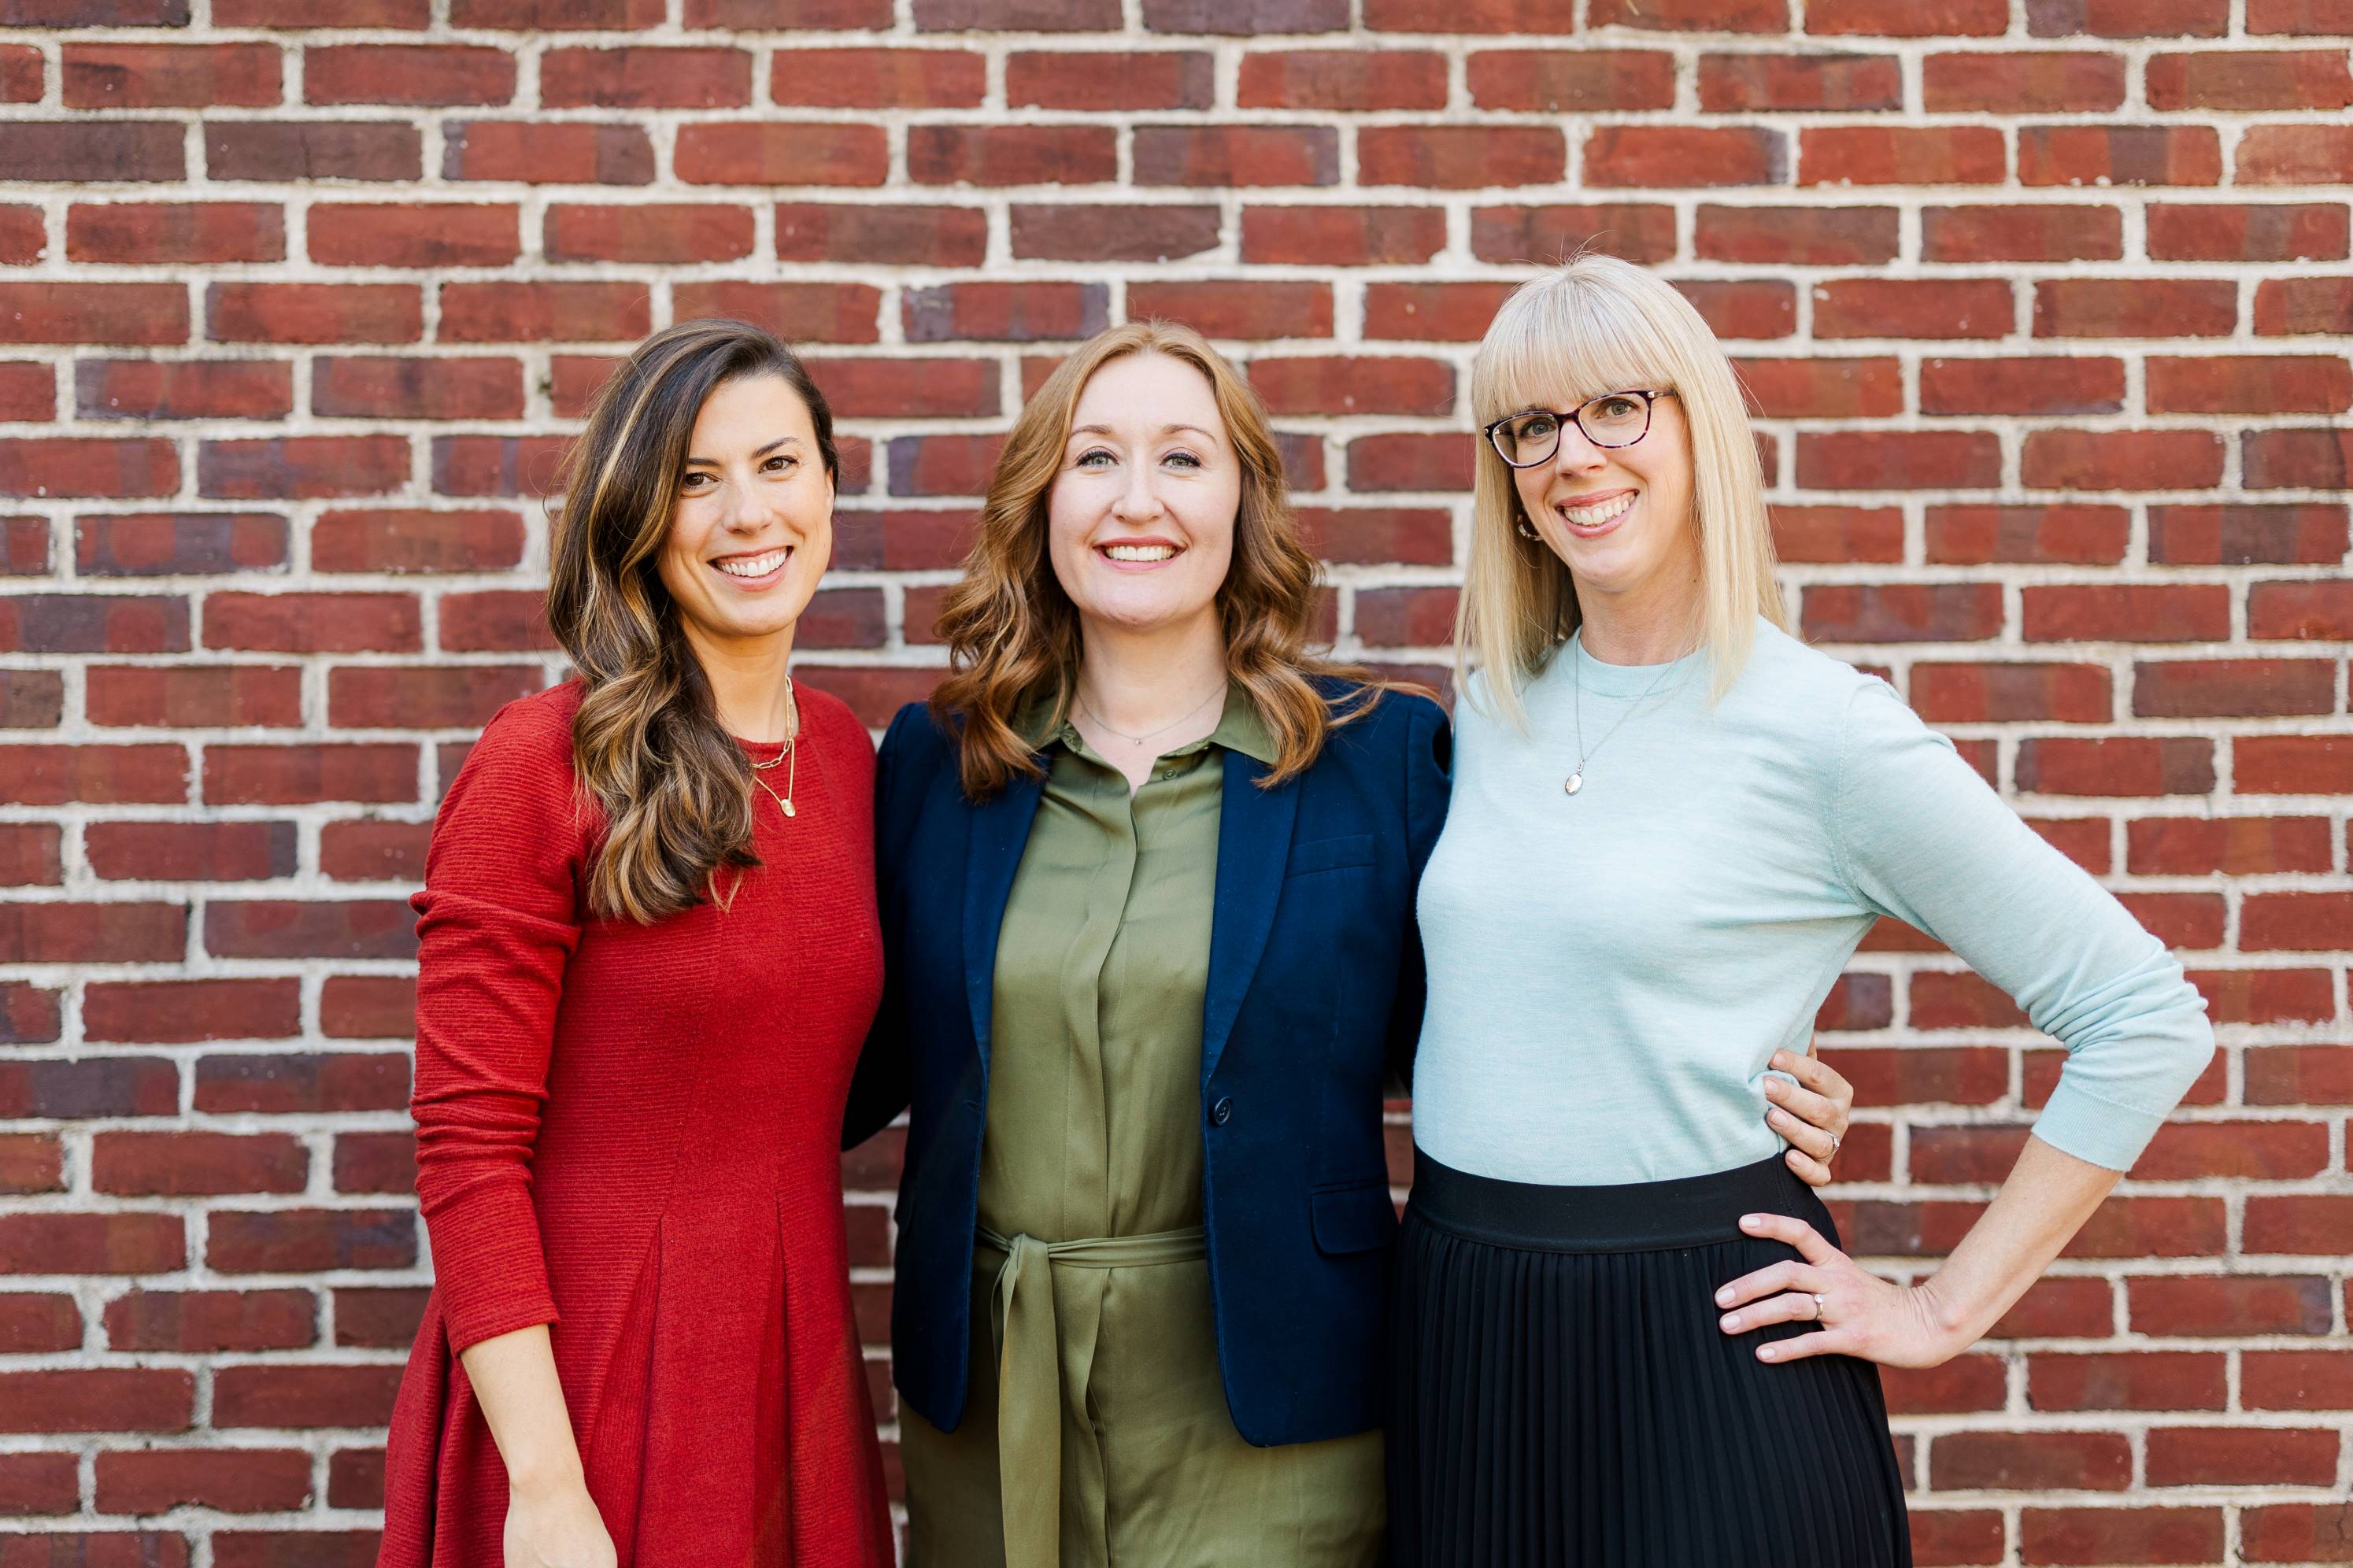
[
  {"x": 533, "y": 1477},
  {"x": 1948, "y": 1319}
]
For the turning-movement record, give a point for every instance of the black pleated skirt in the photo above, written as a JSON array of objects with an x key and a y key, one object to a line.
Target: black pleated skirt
[{"x": 1562, "y": 1393}]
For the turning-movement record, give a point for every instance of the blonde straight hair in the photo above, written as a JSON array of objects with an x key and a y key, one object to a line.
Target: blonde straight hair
[{"x": 1592, "y": 325}]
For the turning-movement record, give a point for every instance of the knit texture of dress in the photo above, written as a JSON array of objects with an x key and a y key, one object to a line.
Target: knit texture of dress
[{"x": 632, "y": 1133}]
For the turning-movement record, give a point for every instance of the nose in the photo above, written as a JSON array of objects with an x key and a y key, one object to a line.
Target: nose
[
  {"x": 1137, "y": 501},
  {"x": 1577, "y": 454},
  {"x": 750, "y": 508}
]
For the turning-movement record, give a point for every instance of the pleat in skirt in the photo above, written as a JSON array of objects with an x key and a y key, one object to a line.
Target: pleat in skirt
[{"x": 1562, "y": 1396}]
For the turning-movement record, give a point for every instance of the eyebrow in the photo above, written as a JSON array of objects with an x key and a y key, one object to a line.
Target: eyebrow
[
  {"x": 1165, "y": 430},
  {"x": 779, "y": 441}
]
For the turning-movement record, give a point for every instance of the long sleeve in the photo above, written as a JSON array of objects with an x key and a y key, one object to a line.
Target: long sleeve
[
  {"x": 497, "y": 922},
  {"x": 880, "y": 1089},
  {"x": 1430, "y": 745},
  {"x": 1923, "y": 838}
]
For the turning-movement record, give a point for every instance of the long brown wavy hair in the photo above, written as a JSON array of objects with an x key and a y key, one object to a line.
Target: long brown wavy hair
[
  {"x": 1012, "y": 631},
  {"x": 648, "y": 747}
]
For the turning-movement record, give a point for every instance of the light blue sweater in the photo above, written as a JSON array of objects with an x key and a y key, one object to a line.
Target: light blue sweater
[{"x": 1610, "y": 972}]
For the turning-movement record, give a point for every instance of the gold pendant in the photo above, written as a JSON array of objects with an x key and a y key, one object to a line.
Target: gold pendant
[
  {"x": 788, "y": 806},
  {"x": 1576, "y": 782}
]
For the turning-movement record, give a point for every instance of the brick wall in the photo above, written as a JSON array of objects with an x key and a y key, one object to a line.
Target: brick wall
[{"x": 2044, "y": 304}]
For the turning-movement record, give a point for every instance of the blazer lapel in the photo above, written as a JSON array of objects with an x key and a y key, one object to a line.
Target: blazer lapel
[
  {"x": 1253, "y": 843},
  {"x": 999, "y": 831}
]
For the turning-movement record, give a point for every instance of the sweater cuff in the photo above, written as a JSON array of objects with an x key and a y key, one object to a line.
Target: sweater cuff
[
  {"x": 492, "y": 1278},
  {"x": 2077, "y": 1122}
]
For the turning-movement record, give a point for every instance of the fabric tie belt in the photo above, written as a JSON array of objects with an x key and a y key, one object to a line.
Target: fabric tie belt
[{"x": 1029, "y": 1367}]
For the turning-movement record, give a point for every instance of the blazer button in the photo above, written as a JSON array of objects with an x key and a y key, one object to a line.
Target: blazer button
[{"x": 1222, "y": 1111}]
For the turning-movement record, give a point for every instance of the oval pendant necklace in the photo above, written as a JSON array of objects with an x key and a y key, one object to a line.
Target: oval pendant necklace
[{"x": 1576, "y": 780}]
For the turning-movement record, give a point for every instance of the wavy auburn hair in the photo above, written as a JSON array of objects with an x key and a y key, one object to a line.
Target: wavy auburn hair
[
  {"x": 674, "y": 788},
  {"x": 1012, "y": 631}
]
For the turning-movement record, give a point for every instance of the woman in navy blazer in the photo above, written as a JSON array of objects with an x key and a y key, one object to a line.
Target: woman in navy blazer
[{"x": 1213, "y": 1382}]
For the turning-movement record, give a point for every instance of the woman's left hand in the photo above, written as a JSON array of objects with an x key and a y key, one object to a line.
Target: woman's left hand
[
  {"x": 1811, "y": 1116},
  {"x": 1860, "y": 1313}
]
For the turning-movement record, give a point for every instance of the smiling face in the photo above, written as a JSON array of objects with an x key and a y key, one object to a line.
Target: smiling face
[
  {"x": 1621, "y": 517},
  {"x": 752, "y": 529},
  {"x": 1141, "y": 517}
]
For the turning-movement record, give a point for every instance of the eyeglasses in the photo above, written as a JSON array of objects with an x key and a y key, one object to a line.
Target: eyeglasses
[{"x": 1613, "y": 419}]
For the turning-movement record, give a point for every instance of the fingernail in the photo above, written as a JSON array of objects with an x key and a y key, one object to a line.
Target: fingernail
[
  {"x": 1781, "y": 1059},
  {"x": 1731, "y": 1322},
  {"x": 1765, "y": 1352},
  {"x": 1751, "y": 1221},
  {"x": 1724, "y": 1297}
]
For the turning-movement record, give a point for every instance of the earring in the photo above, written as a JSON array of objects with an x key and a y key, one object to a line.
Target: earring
[{"x": 1526, "y": 532}]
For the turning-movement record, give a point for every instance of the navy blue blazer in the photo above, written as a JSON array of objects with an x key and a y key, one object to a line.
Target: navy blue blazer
[{"x": 1314, "y": 999}]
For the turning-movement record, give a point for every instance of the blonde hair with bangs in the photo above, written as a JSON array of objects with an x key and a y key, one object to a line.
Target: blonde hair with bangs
[{"x": 1593, "y": 325}]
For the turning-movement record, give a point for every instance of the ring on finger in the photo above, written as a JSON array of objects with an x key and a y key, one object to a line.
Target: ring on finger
[
  {"x": 1819, "y": 1306},
  {"x": 1835, "y": 1142}
]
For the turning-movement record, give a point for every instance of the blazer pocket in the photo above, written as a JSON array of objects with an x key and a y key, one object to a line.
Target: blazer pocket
[
  {"x": 1330, "y": 854},
  {"x": 1352, "y": 1219}
]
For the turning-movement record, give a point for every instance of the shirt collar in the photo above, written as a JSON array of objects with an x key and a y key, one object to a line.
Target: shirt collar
[{"x": 1039, "y": 721}]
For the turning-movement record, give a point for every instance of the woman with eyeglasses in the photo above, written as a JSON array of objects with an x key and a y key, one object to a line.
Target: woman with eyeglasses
[{"x": 1671, "y": 824}]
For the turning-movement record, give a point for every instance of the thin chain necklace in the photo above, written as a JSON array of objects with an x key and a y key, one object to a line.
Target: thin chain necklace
[
  {"x": 792, "y": 751},
  {"x": 1576, "y": 780},
  {"x": 1080, "y": 703}
]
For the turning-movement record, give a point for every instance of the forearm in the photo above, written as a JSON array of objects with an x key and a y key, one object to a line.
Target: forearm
[
  {"x": 2041, "y": 1205},
  {"x": 514, "y": 1380}
]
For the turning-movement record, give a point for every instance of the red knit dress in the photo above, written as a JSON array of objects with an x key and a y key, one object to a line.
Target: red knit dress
[{"x": 633, "y": 1133}]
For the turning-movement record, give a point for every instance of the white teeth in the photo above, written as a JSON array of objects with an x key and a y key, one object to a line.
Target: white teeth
[
  {"x": 1140, "y": 551},
  {"x": 752, "y": 565},
  {"x": 1595, "y": 516}
]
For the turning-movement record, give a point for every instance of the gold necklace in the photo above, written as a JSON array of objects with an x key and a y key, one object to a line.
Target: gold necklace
[{"x": 792, "y": 749}]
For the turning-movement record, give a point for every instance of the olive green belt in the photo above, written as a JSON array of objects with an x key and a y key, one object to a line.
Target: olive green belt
[{"x": 1028, "y": 1369}]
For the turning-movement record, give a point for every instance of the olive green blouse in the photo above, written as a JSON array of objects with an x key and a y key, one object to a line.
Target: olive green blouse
[{"x": 1093, "y": 1131}]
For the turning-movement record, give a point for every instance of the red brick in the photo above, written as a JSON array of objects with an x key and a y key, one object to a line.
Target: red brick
[
  {"x": 195, "y": 696},
  {"x": 285, "y": 928},
  {"x": 1409, "y": 462},
  {"x": 47, "y": 1483},
  {"x": 2238, "y": 231},
  {"x": 2121, "y": 459},
  {"x": 170, "y": 76},
  {"x": 89, "y": 1244},
  {"x": 482, "y": 540},
  {"x": 313, "y": 312},
  {"x": 28, "y": 392},
  {"x": 2240, "y": 1456},
  {"x": 2316, "y": 1223},
  {"x": 93, "y": 623},
  {"x": 1913, "y": 307},
  {"x": 233, "y": 1480},
  {"x": 815, "y": 16},
  {"x": 1240, "y": 155},
  {"x": 2169, "y": 1535},
  {"x": 412, "y": 15},
  {"x": 93, "y": 151},
  {"x": 355, "y": 1478},
  {"x": 2071, "y": 233},
  {"x": 1306, "y": 384},
  {"x": 2128, "y": 18},
  {"x": 110, "y": 1399},
  {"x": 2136, "y": 307},
  {"x": 97, "y": 470},
  {"x": 28, "y": 1013},
  {"x": 192, "y": 852},
  {"x": 2250, "y": 79},
  {"x": 2296, "y": 1379},
  {"x": 108, "y": 776},
  {"x": 1669, "y": 156},
  {"x": 2300, "y": 459},
  {"x": 2186, "y": 689},
  {"x": 2075, "y": 81},
  {"x": 70, "y": 312},
  {"x": 313, "y": 623},
  {"x": 299, "y": 774},
  {"x": 182, "y": 1011},
  {"x": 663, "y": 234},
  {"x": 896, "y": 77},
  {"x": 1254, "y": 310},
  {"x": 2123, "y": 765},
  {"x": 567, "y": 153},
  {"x": 2274, "y": 996},
  {"x": 1820, "y": 388},
  {"x": 20, "y": 73},
  {"x": 383, "y": 386},
  {"x": 1431, "y": 312},
  {"x": 1945, "y": 1536},
  {"x": 2295, "y": 155},
  {"x": 1014, "y": 156},
  {"x": 2256, "y": 1151},
  {"x": 31, "y": 698},
  {"x": 295, "y": 1549},
  {"x": 2297, "y": 1533},
  {"x": 284, "y": 1241},
  {"x": 30, "y": 855},
  {"x": 1878, "y": 18},
  {"x": 1344, "y": 236},
  {"x": 288, "y": 151},
  {"x": 1632, "y": 231},
  {"x": 302, "y": 1394},
  {"x": 1907, "y": 459},
  {"x": 413, "y": 233},
  {"x": 182, "y": 389},
  {"x": 1016, "y": 16},
  {"x": 2040, "y": 385},
  {"x": 2245, "y": 534},
  {"x": 2112, "y": 156},
  {"x": 184, "y": 1164},
  {"x": 1898, "y": 155},
  {"x": 496, "y": 620},
  {"x": 384, "y": 1319},
  {"x": 2131, "y": 1379},
  {"x": 2292, "y": 307},
  {"x": 1568, "y": 82},
  {"x": 1965, "y": 1383},
  {"x": 536, "y": 16},
  {"x": 1756, "y": 309},
  {"x": 151, "y": 232},
  {"x": 2228, "y": 1305},
  {"x": 1734, "y": 84},
  {"x": 392, "y": 697},
  {"x": 152, "y": 544},
  {"x": 496, "y": 465},
  {"x": 2007, "y": 693},
  {"x": 279, "y": 1083},
  {"x": 1804, "y": 237},
  {"x": 1693, "y": 15},
  {"x": 303, "y": 466},
  {"x": 1094, "y": 81},
  {"x": 421, "y": 75},
  {"x": 801, "y": 312},
  {"x": 1158, "y": 232},
  {"x": 1838, "y": 534},
  {"x": 2127, "y": 613},
  {"x": 644, "y": 77},
  {"x": 2295, "y": 922},
  {"x": 369, "y": 850},
  {"x": 1953, "y": 612},
  {"x": 2234, "y": 846},
  {"x": 2250, "y": 383},
  {"x": 2310, "y": 16},
  {"x": 792, "y": 152},
  {"x": 919, "y": 235},
  {"x": 2030, "y": 1461},
  {"x": 1409, "y": 535},
  {"x": 375, "y": 1163},
  {"x": 1352, "y": 80}
]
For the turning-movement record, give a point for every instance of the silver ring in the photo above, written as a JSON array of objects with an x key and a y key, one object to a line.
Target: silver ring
[
  {"x": 1835, "y": 1142},
  {"x": 1818, "y": 1306}
]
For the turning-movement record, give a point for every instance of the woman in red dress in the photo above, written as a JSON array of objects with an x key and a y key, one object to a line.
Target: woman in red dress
[{"x": 649, "y": 958}]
